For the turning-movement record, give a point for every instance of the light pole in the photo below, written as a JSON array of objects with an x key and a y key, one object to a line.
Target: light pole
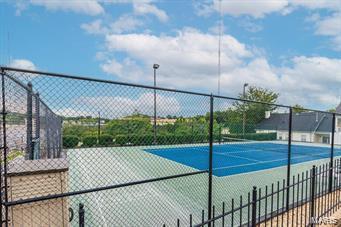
[
  {"x": 244, "y": 114},
  {"x": 155, "y": 67}
]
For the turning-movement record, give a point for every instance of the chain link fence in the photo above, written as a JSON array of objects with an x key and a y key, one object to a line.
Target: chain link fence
[{"x": 104, "y": 153}]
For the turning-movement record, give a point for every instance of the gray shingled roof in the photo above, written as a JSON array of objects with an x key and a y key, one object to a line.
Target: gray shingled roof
[{"x": 302, "y": 122}]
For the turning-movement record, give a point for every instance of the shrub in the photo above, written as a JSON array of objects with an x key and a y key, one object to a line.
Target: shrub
[
  {"x": 89, "y": 141},
  {"x": 141, "y": 139},
  {"x": 162, "y": 139},
  {"x": 70, "y": 141},
  {"x": 105, "y": 140},
  {"x": 121, "y": 140},
  {"x": 255, "y": 136}
]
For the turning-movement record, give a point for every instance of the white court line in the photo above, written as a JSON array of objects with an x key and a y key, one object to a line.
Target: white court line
[
  {"x": 263, "y": 162},
  {"x": 95, "y": 195},
  {"x": 250, "y": 164},
  {"x": 250, "y": 150},
  {"x": 285, "y": 151},
  {"x": 236, "y": 156}
]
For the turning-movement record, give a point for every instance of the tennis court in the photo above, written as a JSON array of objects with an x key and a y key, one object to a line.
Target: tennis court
[
  {"x": 236, "y": 158},
  {"x": 236, "y": 170}
]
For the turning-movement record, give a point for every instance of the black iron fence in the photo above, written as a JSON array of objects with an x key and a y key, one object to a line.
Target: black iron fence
[
  {"x": 128, "y": 166},
  {"x": 312, "y": 202}
]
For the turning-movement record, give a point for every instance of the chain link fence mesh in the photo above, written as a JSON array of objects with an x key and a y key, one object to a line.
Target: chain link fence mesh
[{"x": 135, "y": 155}]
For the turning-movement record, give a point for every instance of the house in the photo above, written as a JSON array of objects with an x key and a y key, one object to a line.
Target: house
[
  {"x": 313, "y": 127},
  {"x": 83, "y": 122},
  {"x": 163, "y": 121}
]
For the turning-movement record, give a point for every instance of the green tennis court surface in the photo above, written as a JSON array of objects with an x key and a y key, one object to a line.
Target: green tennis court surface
[{"x": 148, "y": 204}]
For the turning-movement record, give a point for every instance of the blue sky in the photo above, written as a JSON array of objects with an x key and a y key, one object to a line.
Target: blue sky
[{"x": 290, "y": 46}]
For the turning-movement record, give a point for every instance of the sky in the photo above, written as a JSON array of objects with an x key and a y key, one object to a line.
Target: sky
[{"x": 292, "y": 47}]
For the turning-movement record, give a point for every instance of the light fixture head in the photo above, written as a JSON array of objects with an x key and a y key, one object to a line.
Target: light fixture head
[{"x": 156, "y": 66}]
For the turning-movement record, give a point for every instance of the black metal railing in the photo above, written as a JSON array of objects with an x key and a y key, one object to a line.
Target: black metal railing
[
  {"x": 203, "y": 151},
  {"x": 311, "y": 200}
]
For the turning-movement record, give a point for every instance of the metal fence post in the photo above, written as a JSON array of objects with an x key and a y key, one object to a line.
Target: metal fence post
[
  {"x": 60, "y": 136},
  {"x": 37, "y": 120},
  {"x": 29, "y": 129},
  {"x": 54, "y": 136},
  {"x": 47, "y": 133},
  {"x": 210, "y": 173},
  {"x": 312, "y": 197},
  {"x": 331, "y": 164},
  {"x": 81, "y": 214},
  {"x": 192, "y": 130},
  {"x": 289, "y": 159},
  {"x": 99, "y": 127},
  {"x": 4, "y": 172},
  {"x": 254, "y": 207}
]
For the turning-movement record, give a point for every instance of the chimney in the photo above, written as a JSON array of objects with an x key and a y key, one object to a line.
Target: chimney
[
  {"x": 267, "y": 114},
  {"x": 317, "y": 116}
]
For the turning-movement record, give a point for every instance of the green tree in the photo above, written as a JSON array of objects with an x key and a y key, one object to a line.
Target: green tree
[
  {"x": 332, "y": 110},
  {"x": 134, "y": 124},
  {"x": 255, "y": 112},
  {"x": 298, "y": 108}
]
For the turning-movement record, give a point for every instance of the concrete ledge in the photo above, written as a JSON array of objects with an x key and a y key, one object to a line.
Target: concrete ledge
[
  {"x": 35, "y": 178},
  {"x": 29, "y": 167}
]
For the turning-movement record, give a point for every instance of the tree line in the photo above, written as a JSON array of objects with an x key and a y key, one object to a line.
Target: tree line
[{"x": 137, "y": 129}]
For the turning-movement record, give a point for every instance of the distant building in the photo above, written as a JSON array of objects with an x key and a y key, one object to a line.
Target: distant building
[
  {"x": 163, "y": 121},
  {"x": 82, "y": 122},
  {"x": 310, "y": 127}
]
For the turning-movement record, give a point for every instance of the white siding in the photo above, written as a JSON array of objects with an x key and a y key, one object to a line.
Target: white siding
[
  {"x": 297, "y": 136},
  {"x": 338, "y": 131}
]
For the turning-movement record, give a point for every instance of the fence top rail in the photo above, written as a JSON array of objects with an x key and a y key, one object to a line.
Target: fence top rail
[
  {"x": 99, "y": 80},
  {"x": 67, "y": 76}
]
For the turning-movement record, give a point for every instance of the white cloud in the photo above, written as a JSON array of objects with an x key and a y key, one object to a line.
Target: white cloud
[
  {"x": 256, "y": 9},
  {"x": 317, "y": 4},
  {"x": 72, "y": 112},
  {"x": 326, "y": 26},
  {"x": 125, "y": 23},
  {"x": 194, "y": 47},
  {"x": 331, "y": 26},
  {"x": 90, "y": 7},
  {"x": 143, "y": 7},
  {"x": 181, "y": 58},
  {"x": 125, "y": 70},
  {"x": 119, "y": 106},
  {"x": 95, "y": 28},
  {"x": 203, "y": 8},
  {"x": 261, "y": 8},
  {"x": 192, "y": 65},
  {"x": 22, "y": 64},
  {"x": 112, "y": 67},
  {"x": 250, "y": 26},
  {"x": 311, "y": 80}
]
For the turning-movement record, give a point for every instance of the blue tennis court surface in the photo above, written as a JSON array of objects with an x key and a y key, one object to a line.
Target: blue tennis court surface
[{"x": 230, "y": 159}]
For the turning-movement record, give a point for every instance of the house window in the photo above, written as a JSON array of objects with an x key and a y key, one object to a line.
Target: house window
[
  {"x": 304, "y": 138},
  {"x": 280, "y": 138},
  {"x": 325, "y": 139}
]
